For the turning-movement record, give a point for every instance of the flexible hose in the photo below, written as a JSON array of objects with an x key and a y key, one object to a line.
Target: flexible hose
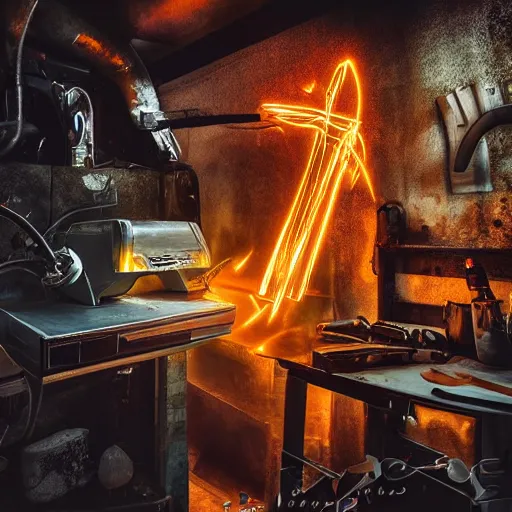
[
  {"x": 17, "y": 265},
  {"x": 25, "y": 225},
  {"x": 19, "y": 87}
]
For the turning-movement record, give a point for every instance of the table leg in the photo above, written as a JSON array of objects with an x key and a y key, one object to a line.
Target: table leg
[
  {"x": 294, "y": 423},
  {"x": 174, "y": 383}
]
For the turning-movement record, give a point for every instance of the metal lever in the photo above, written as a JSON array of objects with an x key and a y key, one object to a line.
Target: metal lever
[{"x": 195, "y": 121}]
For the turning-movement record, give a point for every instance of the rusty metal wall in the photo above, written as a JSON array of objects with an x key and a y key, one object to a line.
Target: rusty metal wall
[{"x": 407, "y": 54}]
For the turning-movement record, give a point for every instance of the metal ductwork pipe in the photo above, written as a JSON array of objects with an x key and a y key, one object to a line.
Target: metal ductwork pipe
[
  {"x": 120, "y": 62},
  {"x": 17, "y": 30}
]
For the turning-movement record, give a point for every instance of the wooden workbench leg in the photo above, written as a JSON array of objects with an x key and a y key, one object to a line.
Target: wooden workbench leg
[{"x": 294, "y": 422}]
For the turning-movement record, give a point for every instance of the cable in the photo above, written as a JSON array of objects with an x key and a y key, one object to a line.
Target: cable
[
  {"x": 19, "y": 87},
  {"x": 17, "y": 265},
  {"x": 51, "y": 230},
  {"x": 25, "y": 225}
]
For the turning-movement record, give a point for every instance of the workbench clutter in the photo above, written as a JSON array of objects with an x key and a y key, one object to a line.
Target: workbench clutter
[
  {"x": 393, "y": 484},
  {"x": 479, "y": 329},
  {"x": 352, "y": 345}
]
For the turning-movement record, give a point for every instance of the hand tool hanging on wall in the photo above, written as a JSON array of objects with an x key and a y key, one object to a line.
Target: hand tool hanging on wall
[
  {"x": 459, "y": 110},
  {"x": 469, "y": 113}
]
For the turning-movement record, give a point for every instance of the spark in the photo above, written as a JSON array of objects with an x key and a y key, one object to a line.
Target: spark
[
  {"x": 310, "y": 87},
  {"x": 338, "y": 149},
  {"x": 254, "y": 302},
  {"x": 254, "y": 317},
  {"x": 239, "y": 266}
]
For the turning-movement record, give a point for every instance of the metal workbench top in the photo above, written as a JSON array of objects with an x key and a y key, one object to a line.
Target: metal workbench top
[{"x": 396, "y": 387}]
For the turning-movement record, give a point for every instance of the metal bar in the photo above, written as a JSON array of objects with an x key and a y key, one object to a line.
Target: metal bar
[
  {"x": 124, "y": 361},
  {"x": 294, "y": 424},
  {"x": 314, "y": 465},
  {"x": 206, "y": 120},
  {"x": 488, "y": 121}
]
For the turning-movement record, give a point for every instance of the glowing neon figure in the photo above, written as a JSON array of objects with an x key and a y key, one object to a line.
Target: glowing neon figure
[{"x": 338, "y": 148}]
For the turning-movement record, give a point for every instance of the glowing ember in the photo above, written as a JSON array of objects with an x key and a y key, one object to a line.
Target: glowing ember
[
  {"x": 309, "y": 88},
  {"x": 338, "y": 148}
]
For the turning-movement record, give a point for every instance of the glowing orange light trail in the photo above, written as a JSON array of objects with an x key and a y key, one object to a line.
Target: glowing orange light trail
[
  {"x": 254, "y": 302},
  {"x": 243, "y": 262},
  {"x": 338, "y": 148},
  {"x": 254, "y": 317}
]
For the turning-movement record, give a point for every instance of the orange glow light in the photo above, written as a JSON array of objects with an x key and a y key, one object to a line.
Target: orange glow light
[
  {"x": 309, "y": 88},
  {"x": 338, "y": 148},
  {"x": 93, "y": 45},
  {"x": 239, "y": 266},
  {"x": 254, "y": 317},
  {"x": 255, "y": 303}
]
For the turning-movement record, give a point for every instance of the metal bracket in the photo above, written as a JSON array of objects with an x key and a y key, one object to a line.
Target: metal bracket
[{"x": 460, "y": 110}]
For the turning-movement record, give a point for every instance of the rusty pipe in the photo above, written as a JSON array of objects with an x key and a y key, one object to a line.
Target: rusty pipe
[{"x": 119, "y": 61}]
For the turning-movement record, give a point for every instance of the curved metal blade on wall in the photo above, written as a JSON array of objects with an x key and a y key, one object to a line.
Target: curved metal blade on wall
[{"x": 460, "y": 110}]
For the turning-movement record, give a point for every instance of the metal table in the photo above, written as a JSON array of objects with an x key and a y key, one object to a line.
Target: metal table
[{"x": 390, "y": 394}]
